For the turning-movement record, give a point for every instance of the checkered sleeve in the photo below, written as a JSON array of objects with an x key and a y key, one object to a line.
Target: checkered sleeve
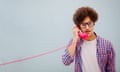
[
  {"x": 111, "y": 59},
  {"x": 66, "y": 58}
]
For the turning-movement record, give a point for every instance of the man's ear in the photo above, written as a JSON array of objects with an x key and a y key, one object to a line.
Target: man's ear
[{"x": 78, "y": 26}]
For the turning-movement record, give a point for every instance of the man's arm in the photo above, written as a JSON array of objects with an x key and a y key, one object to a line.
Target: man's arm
[
  {"x": 71, "y": 48},
  {"x": 111, "y": 60},
  {"x": 68, "y": 57}
]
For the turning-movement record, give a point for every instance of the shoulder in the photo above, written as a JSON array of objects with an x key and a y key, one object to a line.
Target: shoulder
[
  {"x": 104, "y": 42},
  {"x": 105, "y": 45}
]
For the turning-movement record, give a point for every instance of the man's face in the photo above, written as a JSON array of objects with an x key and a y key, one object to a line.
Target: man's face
[{"x": 87, "y": 26}]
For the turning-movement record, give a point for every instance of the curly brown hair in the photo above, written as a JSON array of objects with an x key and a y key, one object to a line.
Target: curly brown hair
[{"x": 83, "y": 12}]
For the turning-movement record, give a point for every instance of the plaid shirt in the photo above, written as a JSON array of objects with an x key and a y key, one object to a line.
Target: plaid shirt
[{"x": 105, "y": 56}]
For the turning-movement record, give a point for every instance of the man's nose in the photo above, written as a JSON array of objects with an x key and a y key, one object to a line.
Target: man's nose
[{"x": 87, "y": 26}]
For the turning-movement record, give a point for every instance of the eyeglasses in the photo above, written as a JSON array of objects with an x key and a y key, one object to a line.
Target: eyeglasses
[{"x": 90, "y": 24}]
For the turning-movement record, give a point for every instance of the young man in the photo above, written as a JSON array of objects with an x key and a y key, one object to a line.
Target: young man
[{"x": 92, "y": 54}]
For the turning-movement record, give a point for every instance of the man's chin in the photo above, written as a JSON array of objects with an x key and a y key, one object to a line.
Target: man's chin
[{"x": 89, "y": 34}]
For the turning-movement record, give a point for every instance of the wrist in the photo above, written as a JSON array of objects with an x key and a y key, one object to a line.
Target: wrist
[{"x": 75, "y": 40}]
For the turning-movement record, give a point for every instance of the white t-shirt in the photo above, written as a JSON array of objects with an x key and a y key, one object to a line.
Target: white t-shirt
[{"x": 89, "y": 58}]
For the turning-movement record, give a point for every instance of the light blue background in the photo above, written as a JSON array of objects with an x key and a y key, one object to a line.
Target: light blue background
[{"x": 31, "y": 27}]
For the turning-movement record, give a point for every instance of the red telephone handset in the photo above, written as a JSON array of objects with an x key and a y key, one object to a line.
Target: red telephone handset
[{"x": 82, "y": 35}]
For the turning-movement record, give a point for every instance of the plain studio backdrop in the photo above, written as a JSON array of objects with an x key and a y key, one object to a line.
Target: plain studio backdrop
[{"x": 31, "y": 27}]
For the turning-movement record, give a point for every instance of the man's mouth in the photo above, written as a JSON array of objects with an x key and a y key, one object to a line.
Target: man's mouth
[{"x": 87, "y": 31}]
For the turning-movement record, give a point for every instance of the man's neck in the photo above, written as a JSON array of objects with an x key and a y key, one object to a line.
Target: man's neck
[{"x": 90, "y": 38}]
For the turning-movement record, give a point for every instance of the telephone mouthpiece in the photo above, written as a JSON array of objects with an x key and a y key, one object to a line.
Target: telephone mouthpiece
[{"x": 83, "y": 35}]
